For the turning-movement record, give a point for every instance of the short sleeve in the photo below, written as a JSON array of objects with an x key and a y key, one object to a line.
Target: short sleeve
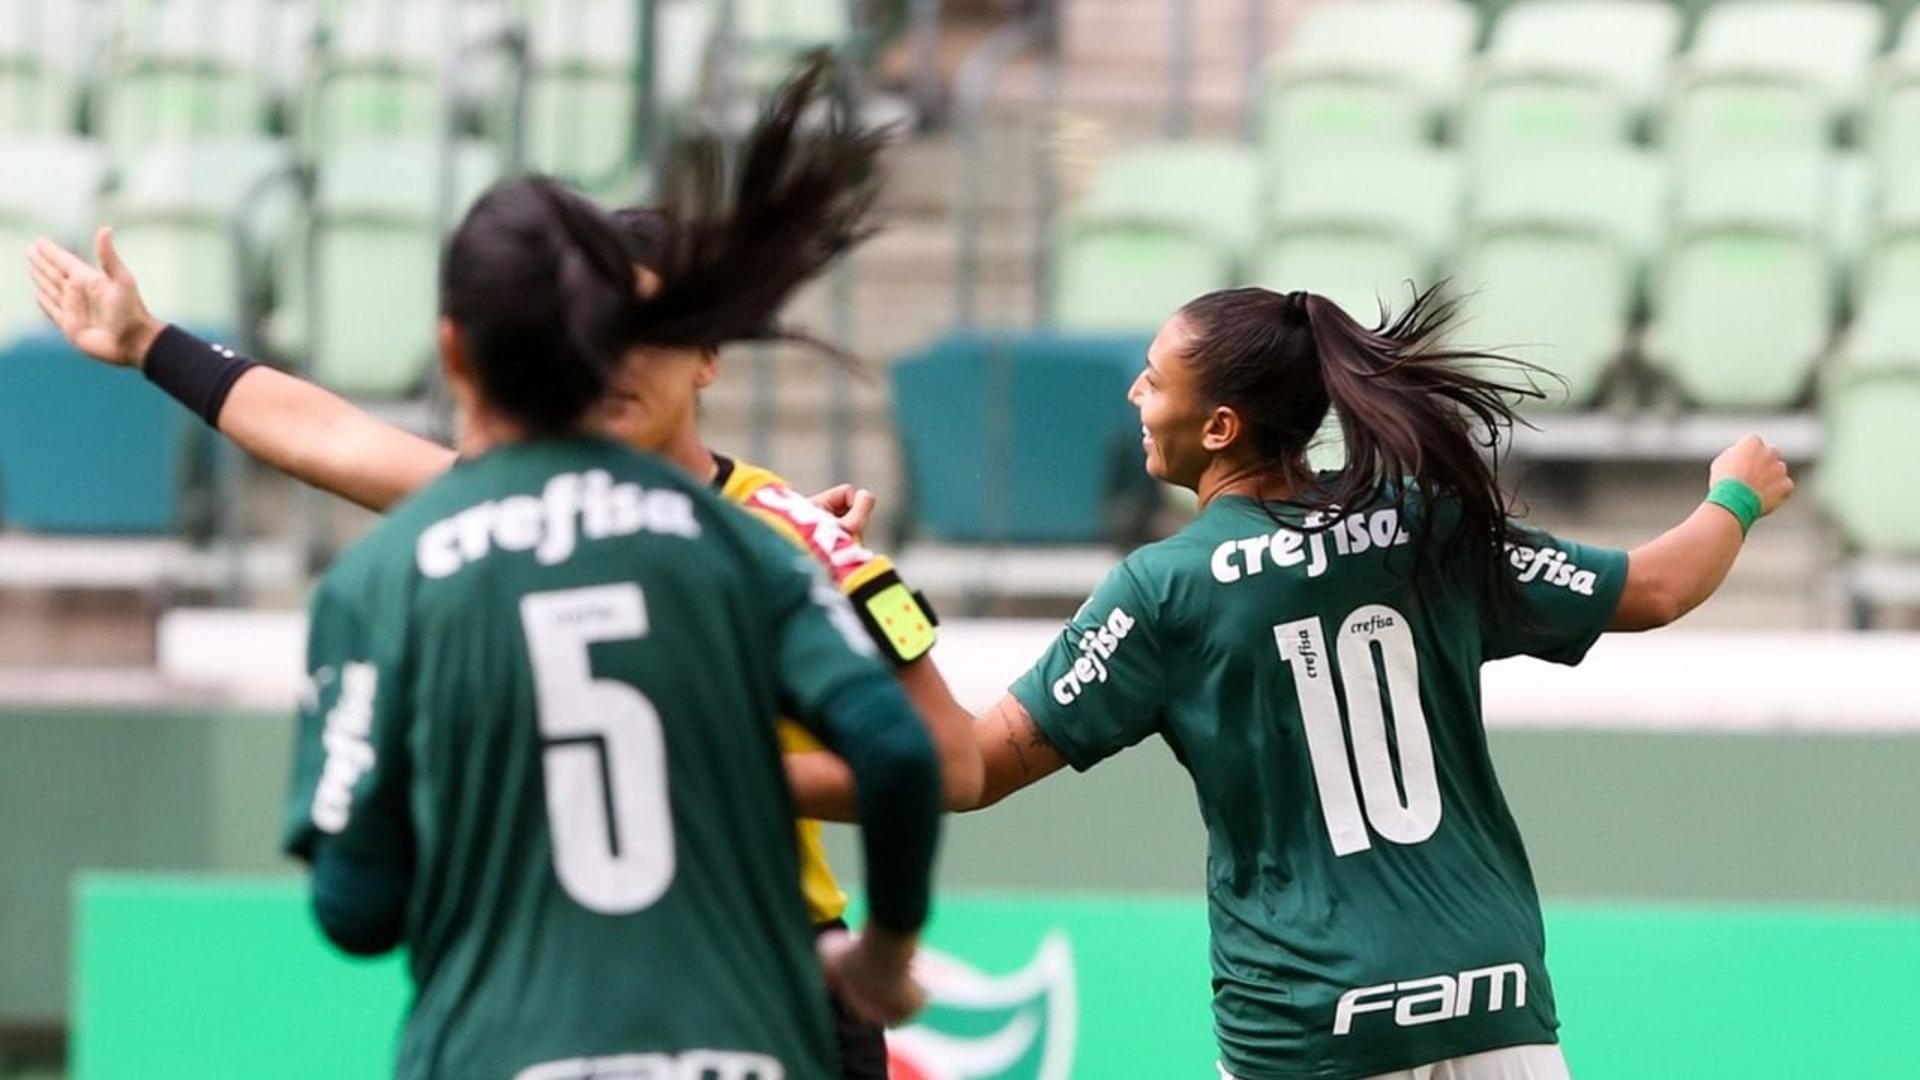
[
  {"x": 1101, "y": 686},
  {"x": 350, "y": 767},
  {"x": 1569, "y": 592}
]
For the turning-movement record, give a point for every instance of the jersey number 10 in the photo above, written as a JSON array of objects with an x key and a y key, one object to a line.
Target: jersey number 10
[
  {"x": 603, "y": 750},
  {"x": 1403, "y": 811}
]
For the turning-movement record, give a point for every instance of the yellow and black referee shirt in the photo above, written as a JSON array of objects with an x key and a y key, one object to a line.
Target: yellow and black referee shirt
[{"x": 852, "y": 566}]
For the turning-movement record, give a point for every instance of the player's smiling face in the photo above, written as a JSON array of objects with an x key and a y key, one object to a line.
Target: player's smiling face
[{"x": 1173, "y": 414}]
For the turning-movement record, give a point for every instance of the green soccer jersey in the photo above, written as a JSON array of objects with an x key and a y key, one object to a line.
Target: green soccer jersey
[
  {"x": 549, "y": 683},
  {"x": 1371, "y": 904}
]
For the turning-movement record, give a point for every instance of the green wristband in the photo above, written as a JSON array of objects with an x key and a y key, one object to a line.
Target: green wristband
[{"x": 1738, "y": 498}]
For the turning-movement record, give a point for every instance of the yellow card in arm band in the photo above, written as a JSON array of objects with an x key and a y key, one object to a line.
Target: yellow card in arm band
[{"x": 898, "y": 614}]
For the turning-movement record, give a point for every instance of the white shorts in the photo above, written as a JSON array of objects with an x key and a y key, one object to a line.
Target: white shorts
[{"x": 1544, "y": 1062}]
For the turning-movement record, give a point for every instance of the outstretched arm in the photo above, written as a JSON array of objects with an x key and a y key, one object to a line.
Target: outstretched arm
[
  {"x": 292, "y": 425},
  {"x": 1678, "y": 570},
  {"x": 1008, "y": 751},
  {"x": 823, "y": 784}
]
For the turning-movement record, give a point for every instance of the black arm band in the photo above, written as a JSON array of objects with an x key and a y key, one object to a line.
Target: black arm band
[{"x": 195, "y": 373}]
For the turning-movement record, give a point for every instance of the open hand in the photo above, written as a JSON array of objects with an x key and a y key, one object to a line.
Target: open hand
[{"x": 99, "y": 310}]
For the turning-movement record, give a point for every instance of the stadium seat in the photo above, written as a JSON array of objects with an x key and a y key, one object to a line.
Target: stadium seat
[
  {"x": 1022, "y": 438},
  {"x": 1826, "y": 45},
  {"x": 1562, "y": 74},
  {"x": 1425, "y": 43},
  {"x": 772, "y": 34},
  {"x": 173, "y": 217},
  {"x": 583, "y": 98},
  {"x": 1525, "y": 112},
  {"x": 85, "y": 448},
  {"x": 1624, "y": 45},
  {"x": 1870, "y": 430},
  {"x": 1366, "y": 269},
  {"x": 44, "y": 49},
  {"x": 1744, "y": 299},
  {"x": 1117, "y": 275},
  {"x": 1713, "y": 116},
  {"x": 1364, "y": 76},
  {"x": 48, "y": 186},
  {"x": 1307, "y": 113},
  {"x": 1358, "y": 228},
  {"x": 1886, "y": 323},
  {"x": 1211, "y": 188},
  {"x": 1893, "y": 125},
  {"x": 1549, "y": 269},
  {"x": 381, "y": 70},
  {"x": 360, "y": 295},
  {"x": 199, "y": 69}
]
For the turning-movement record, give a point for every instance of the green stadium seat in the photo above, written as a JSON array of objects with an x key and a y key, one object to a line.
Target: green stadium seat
[
  {"x": 584, "y": 94},
  {"x": 360, "y": 294},
  {"x": 1870, "y": 429},
  {"x": 1364, "y": 76},
  {"x": 1626, "y": 46},
  {"x": 1886, "y": 323},
  {"x": 1893, "y": 123},
  {"x": 1359, "y": 228},
  {"x": 1212, "y": 188},
  {"x": 44, "y": 47},
  {"x": 1427, "y": 44},
  {"x": 1307, "y": 113},
  {"x": 1416, "y": 193},
  {"x": 1364, "y": 269},
  {"x": 381, "y": 70},
  {"x": 1525, "y": 112},
  {"x": 1827, "y": 46},
  {"x": 773, "y": 34},
  {"x": 198, "y": 69},
  {"x": 1120, "y": 275},
  {"x": 1744, "y": 299},
  {"x": 1550, "y": 270},
  {"x": 50, "y": 186},
  {"x": 1616, "y": 191},
  {"x": 1713, "y": 116},
  {"x": 1023, "y": 438},
  {"x": 85, "y": 448},
  {"x": 173, "y": 217}
]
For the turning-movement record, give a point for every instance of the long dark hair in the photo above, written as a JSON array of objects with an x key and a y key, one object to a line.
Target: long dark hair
[
  {"x": 1422, "y": 420},
  {"x": 730, "y": 254},
  {"x": 539, "y": 285},
  {"x": 543, "y": 285}
]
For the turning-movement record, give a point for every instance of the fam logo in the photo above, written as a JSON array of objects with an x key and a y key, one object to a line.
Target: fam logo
[{"x": 985, "y": 1027}]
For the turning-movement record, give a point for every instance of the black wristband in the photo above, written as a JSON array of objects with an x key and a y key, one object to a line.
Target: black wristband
[{"x": 195, "y": 373}]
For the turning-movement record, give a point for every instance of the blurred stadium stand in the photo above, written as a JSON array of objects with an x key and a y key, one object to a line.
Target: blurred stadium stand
[
  {"x": 1698, "y": 216},
  {"x": 1703, "y": 216}
]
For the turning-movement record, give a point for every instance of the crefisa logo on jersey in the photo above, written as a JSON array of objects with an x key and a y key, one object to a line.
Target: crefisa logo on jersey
[
  {"x": 984, "y": 1027},
  {"x": 1096, "y": 646},
  {"x": 1551, "y": 566}
]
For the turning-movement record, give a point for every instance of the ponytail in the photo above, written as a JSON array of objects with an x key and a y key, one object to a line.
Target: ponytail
[
  {"x": 538, "y": 282},
  {"x": 544, "y": 286},
  {"x": 730, "y": 255},
  {"x": 1422, "y": 421}
]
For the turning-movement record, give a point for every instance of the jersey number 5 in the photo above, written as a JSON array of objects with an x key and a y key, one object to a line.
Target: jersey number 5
[
  {"x": 604, "y": 752},
  {"x": 1406, "y": 810}
]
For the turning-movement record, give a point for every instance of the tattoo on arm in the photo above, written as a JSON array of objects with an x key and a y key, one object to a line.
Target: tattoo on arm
[{"x": 1035, "y": 741}]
